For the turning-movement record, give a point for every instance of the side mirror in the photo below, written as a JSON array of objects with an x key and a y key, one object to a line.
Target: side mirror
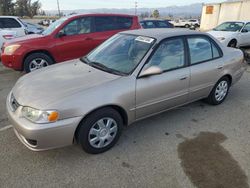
[
  {"x": 61, "y": 34},
  {"x": 244, "y": 31},
  {"x": 153, "y": 70}
]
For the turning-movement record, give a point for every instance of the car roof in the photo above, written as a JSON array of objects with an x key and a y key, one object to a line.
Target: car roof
[
  {"x": 162, "y": 33},
  {"x": 9, "y": 17},
  {"x": 99, "y": 14},
  {"x": 152, "y": 20}
]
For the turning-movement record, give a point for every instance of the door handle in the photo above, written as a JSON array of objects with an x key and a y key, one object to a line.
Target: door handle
[
  {"x": 183, "y": 78},
  {"x": 220, "y": 67}
]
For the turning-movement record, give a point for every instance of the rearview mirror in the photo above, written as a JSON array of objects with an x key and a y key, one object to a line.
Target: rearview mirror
[
  {"x": 153, "y": 70},
  {"x": 61, "y": 34}
]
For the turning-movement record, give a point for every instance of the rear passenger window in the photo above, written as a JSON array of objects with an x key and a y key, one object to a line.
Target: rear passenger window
[
  {"x": 109, "y": 23},
  {"x": 124, "y": 22},
  {"x": 169, "y": 55},
  {"x": 202, "y": 49},
  {"x": 9, "y": 23},
  {"x": 216, "y": 52}
]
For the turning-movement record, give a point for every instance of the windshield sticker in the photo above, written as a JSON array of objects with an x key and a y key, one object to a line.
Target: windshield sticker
[{"x": 144, "y": 39}]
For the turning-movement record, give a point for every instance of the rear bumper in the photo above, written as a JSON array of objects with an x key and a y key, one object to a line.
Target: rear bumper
[
  {"x": 39, "y": 137},
  {"x": 239, "y": 73}
]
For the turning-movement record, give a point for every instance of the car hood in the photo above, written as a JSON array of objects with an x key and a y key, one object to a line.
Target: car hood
[
  {"x": 52, "y": 84},
  {"x": 218, "y": 34},
  {"x": 25, "y": 39}
]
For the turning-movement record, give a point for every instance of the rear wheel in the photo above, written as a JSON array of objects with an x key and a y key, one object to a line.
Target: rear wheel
[
  {"x": 232, "y": 43},
  {"x": 219, "y": 92},
  {"x": 187, "y": 26},
  {"x": 100, "y": 130},
  {"x": 37, "y": 61}
]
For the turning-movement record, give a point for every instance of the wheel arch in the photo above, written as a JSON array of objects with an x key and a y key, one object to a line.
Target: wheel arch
[
  {"x": 233, "y": 39},
  {"x": 37, "y": 51},
  {"x": 118, "y": 108},
  {"x": 229, "y": 77}
]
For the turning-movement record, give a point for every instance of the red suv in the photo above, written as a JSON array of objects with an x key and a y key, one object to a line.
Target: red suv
[{"x": 67, "y": 38}]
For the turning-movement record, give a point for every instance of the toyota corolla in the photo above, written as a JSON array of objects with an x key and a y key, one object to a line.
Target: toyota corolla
[{"x": 131, "y": 76}]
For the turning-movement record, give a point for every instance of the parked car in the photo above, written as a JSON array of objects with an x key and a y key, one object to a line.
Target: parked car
[
  {"x": 186, "y": 23},
  {"x": 67, "y": 38},
  {"x": 14, "y": 24},
  {"x": 149, "y": 24},
  {"x": 46, "y": 22},
  {"x": 33, "y": 28},
  {"x": 6, "y": 35},
  {"x": 131, "y": 76},
  {"x": 233, "y": 34}
]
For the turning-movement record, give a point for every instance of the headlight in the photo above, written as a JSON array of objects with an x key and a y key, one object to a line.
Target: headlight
[
  {"x": 9, "y": 50},
  {"x": 39, "y": 116},
  {"x": 221, "y": 38}
]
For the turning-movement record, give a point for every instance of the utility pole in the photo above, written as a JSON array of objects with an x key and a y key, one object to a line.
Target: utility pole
[
  {"x": 136, "y": 5},
  {"x": 58, "y": 6}
]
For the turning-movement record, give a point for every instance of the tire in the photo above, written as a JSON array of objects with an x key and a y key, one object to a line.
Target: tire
[
  {"x": 37, "y": 61},
  {"x": 232, "y": 43},
  {"x": 187, "y": 26},
  {"x": 214, "y": 98},
  {"x": 90, "y": 130}
]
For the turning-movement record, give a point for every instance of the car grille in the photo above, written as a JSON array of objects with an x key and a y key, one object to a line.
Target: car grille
[{"x": 13, "y": 103}]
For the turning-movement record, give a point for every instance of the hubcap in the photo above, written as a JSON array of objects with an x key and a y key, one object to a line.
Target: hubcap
[
  {"x": 221, "y": 91},
  {"x": 102, "y": 133},
  {"x": 37, "y": 63}
]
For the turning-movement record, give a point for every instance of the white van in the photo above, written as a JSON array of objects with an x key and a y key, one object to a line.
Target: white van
[{"x": 13, "y": 23}]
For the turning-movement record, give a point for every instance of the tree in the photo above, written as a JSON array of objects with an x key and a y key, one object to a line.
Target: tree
[
  {"x": 27, "y": 8},
  {"x": 34, "y": 8},
  {"x": 6, "y": 7},
  {"x": 156, "y": 13}
]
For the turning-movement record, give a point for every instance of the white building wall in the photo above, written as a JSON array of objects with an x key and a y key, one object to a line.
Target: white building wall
[{"x": 222, "y": 12}]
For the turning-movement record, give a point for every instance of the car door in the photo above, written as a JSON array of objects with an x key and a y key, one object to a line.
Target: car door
[
  {"x": 160, "y": 92},
  {"x": 245, "y": 35},
  {"x": 75, "y": 39},
  {"x": 205, "y": 66}
]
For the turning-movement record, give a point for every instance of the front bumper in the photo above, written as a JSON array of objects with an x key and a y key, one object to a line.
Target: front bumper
[
  {"x": 12, "y": 61},
  {"x": 39, "y": 137}
]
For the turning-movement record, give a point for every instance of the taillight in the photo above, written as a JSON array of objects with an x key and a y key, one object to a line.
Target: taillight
[{"x": 8, "y": 37}]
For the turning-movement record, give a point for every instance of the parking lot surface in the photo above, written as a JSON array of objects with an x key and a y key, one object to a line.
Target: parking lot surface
[{"x": 197, "y": 145}]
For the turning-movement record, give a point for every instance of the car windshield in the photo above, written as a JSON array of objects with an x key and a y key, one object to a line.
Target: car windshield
[
  {"x": 54, "y": 26},
  {"x": 120, "y": 54},
  {"x": 230, "y": 26}
]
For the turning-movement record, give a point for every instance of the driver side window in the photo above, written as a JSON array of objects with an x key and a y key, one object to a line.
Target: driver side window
[
  {"x": 169, "y": 55},
  {"x": 78, "y": 26}
]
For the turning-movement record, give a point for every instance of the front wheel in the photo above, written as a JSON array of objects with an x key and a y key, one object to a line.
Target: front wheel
[
  {"x": 100, "y": 130},
  {"x": 37, "y": 61},
  {"x": 219, "y": 92}
]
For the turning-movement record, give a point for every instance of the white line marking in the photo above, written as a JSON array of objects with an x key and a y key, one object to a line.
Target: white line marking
[{"x": 5, "y": 128}]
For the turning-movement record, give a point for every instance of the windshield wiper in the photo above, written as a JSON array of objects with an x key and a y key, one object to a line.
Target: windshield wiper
[
  {"x": 85, "y": 60},
  {"x": 107, "y": 69},
  {"x": 102, "y": 67}
]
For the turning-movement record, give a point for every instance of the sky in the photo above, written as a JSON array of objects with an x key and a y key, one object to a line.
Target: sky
[{"x": 92, "y": 4}]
